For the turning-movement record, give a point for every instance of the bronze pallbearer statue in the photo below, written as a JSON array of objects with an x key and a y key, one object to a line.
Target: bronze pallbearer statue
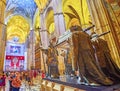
[
  {"x": 84, "y": 59},
  {"x": 52, "y": 62},
  {"x": 104, "y": 58}
]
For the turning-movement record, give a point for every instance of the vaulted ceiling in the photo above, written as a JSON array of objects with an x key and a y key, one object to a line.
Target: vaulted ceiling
[
  {"x": 19, "y": 17},
  {"x": 21, "y": 14}
]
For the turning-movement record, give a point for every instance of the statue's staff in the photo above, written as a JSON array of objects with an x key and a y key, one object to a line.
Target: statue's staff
[
  {"x": 99, "y": 35},
  {"x": 84, "y": 30},
  {"x": 104, "y": 33}
]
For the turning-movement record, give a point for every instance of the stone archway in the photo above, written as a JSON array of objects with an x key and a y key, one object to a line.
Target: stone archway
[
  {"x": 49, "y": 20},
  {"x": 73, "y": 12}
]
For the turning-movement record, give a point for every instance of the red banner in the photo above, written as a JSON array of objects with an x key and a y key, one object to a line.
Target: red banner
[
  {"x": 9, "y": 57},
  {"x": 14, "y": 62}
]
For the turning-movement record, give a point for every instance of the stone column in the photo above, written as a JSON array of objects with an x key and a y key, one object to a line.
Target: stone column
[
  {"x": 103, "y": 23},
  {"x": 25, "y": 60},
  {"x": 2, "y": 47},
  {"x": 2, "y": 28},
  {"x": 28, "y": 59},
  {"x": 58, "y": 17},
  {"x": 44, "y": 42},
  {"x": 33, "y": 48},
  {"x": 28, "y": 54},
  {"x": 43, "y": 33},
  {"x": 2, "y": 55}
]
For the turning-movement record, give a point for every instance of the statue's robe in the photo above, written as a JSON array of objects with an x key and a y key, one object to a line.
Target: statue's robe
[
  {"x": 105, "y": 60},
  {"x": 84, "y": 59},
  {"x": 61, "y": 65}
]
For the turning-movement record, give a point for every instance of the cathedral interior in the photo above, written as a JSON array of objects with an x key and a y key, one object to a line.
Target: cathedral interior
[{"x": 63, "y": 39}]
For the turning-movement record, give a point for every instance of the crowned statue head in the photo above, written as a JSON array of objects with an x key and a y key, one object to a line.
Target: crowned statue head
[{"x": 94, "y": 36}]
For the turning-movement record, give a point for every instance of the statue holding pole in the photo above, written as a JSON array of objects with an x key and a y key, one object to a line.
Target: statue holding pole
[
  {"x": 52, "y": 61},
  {"x": 103, "y": 56},
  {"x": 84, "y": 60}
]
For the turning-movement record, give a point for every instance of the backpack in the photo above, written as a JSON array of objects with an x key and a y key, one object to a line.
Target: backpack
[{"x": 16, "y": 83}]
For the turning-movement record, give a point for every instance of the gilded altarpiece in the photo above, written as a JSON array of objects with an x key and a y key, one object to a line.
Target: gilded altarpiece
[
  {"x": 114, "y": 11},
  {"x": 103, "y": 22}
]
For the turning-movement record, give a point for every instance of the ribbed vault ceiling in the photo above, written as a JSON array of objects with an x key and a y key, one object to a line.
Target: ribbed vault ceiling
[{"x": 19, "y": 15}]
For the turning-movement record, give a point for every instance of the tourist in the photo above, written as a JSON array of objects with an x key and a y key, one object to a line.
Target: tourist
[
  {"x": 3, "y": 82},
  {"x": 16, "y": 82}
]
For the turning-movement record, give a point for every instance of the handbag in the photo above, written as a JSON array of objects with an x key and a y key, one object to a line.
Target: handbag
[{"x": 1, "y": 80}]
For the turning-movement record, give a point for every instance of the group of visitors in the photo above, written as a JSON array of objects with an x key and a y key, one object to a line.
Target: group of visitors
[{"x": 15, "y": 79}]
